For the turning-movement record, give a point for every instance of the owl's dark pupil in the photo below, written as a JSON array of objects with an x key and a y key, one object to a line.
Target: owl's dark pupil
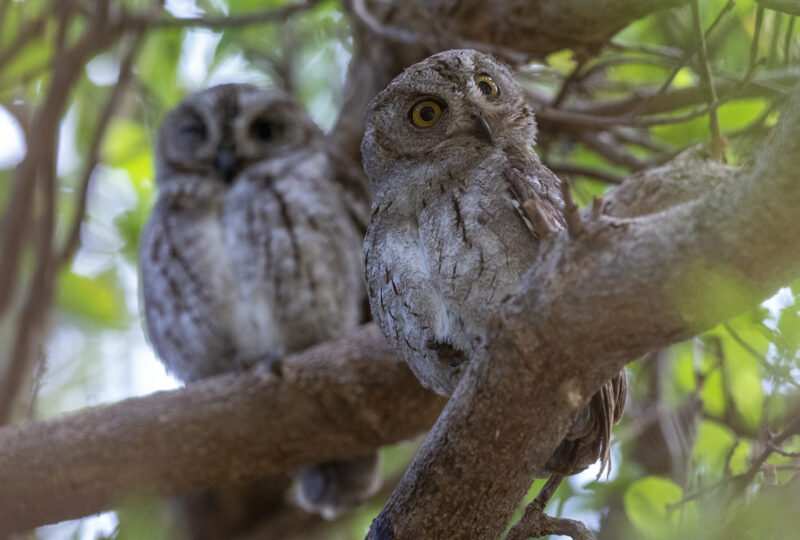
[
  {"x": 427, "y": 113},
  {"x": 261, "y": 129},
  {"x": 194, "y": 129},
  {"x": 485, "y": 87}
]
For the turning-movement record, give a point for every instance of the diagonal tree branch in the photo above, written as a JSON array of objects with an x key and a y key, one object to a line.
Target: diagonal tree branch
[
  {"x": 337, "y": 400},
  {"x": 589, "y": 305}
]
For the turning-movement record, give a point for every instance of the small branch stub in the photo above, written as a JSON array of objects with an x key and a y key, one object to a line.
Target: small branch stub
[
  {"x": 597, "y": 207},
  {"x": 572, "y": 214}
]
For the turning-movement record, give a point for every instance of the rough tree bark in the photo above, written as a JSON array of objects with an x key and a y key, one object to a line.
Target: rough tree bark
[{"x": 338, "y": 400}]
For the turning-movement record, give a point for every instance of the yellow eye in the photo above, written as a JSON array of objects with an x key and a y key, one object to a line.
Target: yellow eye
[
  {"x": 426, "y": 113},
  {"x": 486, "y": 85}
]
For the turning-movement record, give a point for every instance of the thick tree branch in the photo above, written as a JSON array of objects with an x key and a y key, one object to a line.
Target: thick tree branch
[
  {"x": 589, "y": 305},
  {"x": 391, "y": 36},
  {"x": 334, "y": 401}
]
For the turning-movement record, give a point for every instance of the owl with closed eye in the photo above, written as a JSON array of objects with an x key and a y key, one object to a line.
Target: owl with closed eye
[
  {"x": 253, "y": 250},
  {"x": 448, "y": 149}
]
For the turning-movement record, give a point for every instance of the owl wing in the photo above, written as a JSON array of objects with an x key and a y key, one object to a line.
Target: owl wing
[
  {"x": 405, "y": 303},
  {"x": 589, "y": 437},
  {"x": 184, "y": 283},
  {"x": 536, "y": 195}
]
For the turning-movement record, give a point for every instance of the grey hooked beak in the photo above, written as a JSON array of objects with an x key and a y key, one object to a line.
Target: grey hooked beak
[
  {"x": 480, "y": 128},
  {"x": 226, "y": 162}
]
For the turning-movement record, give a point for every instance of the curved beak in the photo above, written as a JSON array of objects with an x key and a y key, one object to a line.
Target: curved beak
[
  {"x": 226, "y": 162},
  {"x": 480, "y": 129}
]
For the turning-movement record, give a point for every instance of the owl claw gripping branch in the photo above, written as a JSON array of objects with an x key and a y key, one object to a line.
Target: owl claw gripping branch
[{"x": 448, "y": 149}]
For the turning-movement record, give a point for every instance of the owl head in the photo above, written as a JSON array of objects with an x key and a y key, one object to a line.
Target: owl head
[
  {"x": 218, "y": 132},
  {"x": 450, "y": 110}
]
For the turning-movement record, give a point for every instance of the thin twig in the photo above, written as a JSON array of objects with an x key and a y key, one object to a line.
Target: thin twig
[
  {"x": 534, "y": 523},
  {"x": 759, "y": 357},
  {"x": 717, "y": 140},
  {"x": 777, "y": 22},
  {"x": 744, "y": 479},
  {"x": 657, "y": 50},
  {"x": 639, "y": 138},
  {"x": 684, "y": 60},
  {"x": 73, "y": 236},
  {"x": 591, "y": 172},
  {"x": 566, "y": 86},
  {"x": 605, "y": 63},
  {"x": 392, "y": 33},
  {"x": 778, "y": 450},
  {"x": 787, "y": 44},
  {"x": 603, "y": 122},
  {"x": 756, "y": 37},
  {"x": 774, "y": 84},
  {"x": 38, "y": 168},
  {"x": 605, "y": 145},
  {"x": 31, "y": 322}
]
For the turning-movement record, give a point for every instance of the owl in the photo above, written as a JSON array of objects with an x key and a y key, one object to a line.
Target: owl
[
  {"x": 253, "y": 250},
  {"x": 448, "y": 149}
]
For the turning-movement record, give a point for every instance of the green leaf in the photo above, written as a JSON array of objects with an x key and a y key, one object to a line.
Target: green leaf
[
  {"x": 157, "y": 65},
  {"x": 713, "y": 394},
  {"x": 714, "y": 442},
  {"x": 744, "y": 374},
  {"x": 685, "y": 133},
  {"x": 144, "y": 516},
  {"x": 563, "y": 61},
  {"x": 36, "y": 54},
  {"x": 742, "y": 369},
  {"x": 685, "y": 78},
  {"x": 126, "y": 140},
  {"x": 789, "y": 329},
  {"x": 683, "y": 368},
  {"x": 249, "y": 6},
  {"x": 96, "y": 299},
  {"x": 647, "y": 506},
  {"x": 639, "y": 73},
  {"x": 740, "y": 113}
]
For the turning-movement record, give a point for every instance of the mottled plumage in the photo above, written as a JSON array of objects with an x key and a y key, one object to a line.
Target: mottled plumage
[
  {"x": 253, "y": 246},
  {"x": 461, "y": 202}
]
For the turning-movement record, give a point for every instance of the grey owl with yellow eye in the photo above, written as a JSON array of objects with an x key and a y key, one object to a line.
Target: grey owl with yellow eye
[
  {"x": 449, "y": 151},
  {"x": 253, "y": 250}
]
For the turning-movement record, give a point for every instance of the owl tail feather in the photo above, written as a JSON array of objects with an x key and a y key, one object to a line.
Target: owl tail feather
[{"x": 589, "y": 438}]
